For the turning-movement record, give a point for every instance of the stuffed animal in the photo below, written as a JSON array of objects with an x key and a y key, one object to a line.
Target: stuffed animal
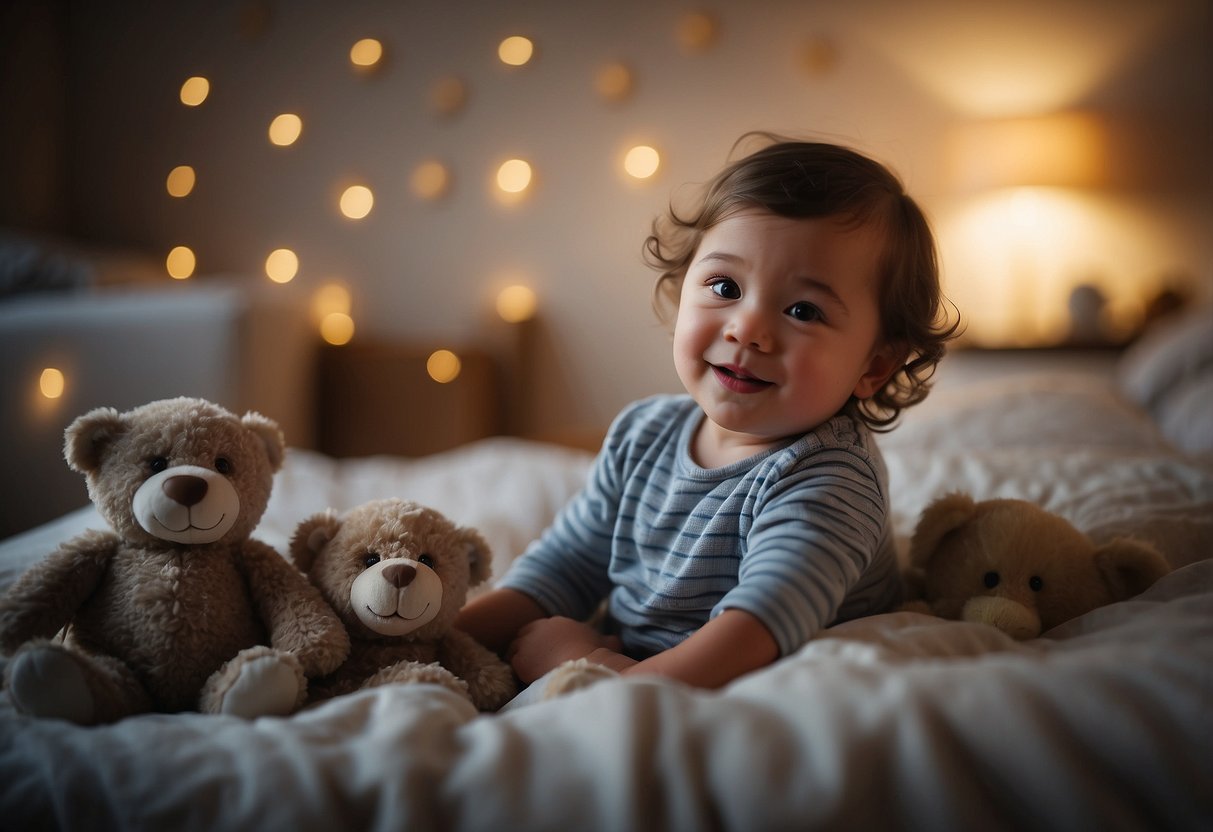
[
  {"x": 1014, "y": 565},
  {"x": 176, "y": 608},
  {"x": 398, "y": 573}
]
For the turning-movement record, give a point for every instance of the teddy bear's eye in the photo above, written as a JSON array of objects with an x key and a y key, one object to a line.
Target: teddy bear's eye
[
  {"x": 990, "y": 579},
  {"x": 371, "y": 559},
  {"x": 426, "y": 560},
  {"x": 224, "y": 465},
  {"x": 1035, "y": 583},
  {"x": 157, "y": 464}
]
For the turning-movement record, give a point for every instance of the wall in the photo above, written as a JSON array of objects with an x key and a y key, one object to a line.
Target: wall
[{"x": 888, "y": 77}]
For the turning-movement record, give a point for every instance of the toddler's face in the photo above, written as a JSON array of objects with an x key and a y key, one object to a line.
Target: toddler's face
[{"x": 778, "y": 323}]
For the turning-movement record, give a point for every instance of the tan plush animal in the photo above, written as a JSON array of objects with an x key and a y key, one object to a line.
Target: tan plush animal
[
  {"x": 1014, "y": 565},
  {"x": 397, "y": 573},
  {"x": 176, "y": 608}
]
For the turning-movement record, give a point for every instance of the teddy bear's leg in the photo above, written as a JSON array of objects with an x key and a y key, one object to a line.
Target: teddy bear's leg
[
  {"x": 54, "y": 681},
  {"x": 416, "y": 672},
  {"x": 259, "y": 681}
]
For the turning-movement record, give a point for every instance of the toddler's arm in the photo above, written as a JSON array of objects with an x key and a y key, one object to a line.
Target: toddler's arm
[{"x": 495, "y": 617}]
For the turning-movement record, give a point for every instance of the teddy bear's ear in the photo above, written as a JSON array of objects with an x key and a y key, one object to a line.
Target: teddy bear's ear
[
  {"x": 480, "y": 557},
  {"x": 86, "y": 439},
  {"x": 1129, "y": 567},
  {"x": 269, "y": 433},
  {"x": 310, "y": 538},
  {"x": 941, "y": 517}
]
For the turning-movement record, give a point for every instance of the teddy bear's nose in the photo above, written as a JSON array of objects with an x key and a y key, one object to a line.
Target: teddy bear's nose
[
  {"x": 185, "y": 490},
  {"x": 399, "y": 575}
]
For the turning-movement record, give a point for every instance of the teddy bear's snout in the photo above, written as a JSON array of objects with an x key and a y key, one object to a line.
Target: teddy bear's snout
[
  {"x": 185, "y": 490},
  {"x": 399, "y": 575}
]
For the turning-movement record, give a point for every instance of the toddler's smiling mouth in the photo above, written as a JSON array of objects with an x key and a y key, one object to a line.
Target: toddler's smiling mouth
[{"x": 736, "y": 379}]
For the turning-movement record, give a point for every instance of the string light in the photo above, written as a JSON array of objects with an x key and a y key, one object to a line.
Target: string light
[
  {"x": 195, "y": 90},
  {"x": 180, "y": 262},
  {"x": 357, "y": 201},
  {"x": 443, "y": 366},
  {"x": 51, "y": 383},
  {"x": 516, "y": 304},
  {"x": 514, "y": 176},
  {"x": 337, "y": 328},
  {"x": 180, "y": 181},
  {"x": 515, "y": 50},
  {"x": 282, "y": 265},
  {"x": 366, "y": 53},
  {"x": 285, "y": 129},
  {"x": 641, "y": 161}
]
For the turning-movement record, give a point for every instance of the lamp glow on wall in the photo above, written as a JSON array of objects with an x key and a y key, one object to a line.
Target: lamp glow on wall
[{"x": 1018, "y": 256}]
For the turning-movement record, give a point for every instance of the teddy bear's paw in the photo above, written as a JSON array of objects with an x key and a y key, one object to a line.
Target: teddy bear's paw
[
  {"x": 409, "y": 672},
  {"x": 49, "y": 682},
  {"x": 575, "y": 675},
  {"x": 258, "y": 682},
  {"x": 492, "y": 686}
]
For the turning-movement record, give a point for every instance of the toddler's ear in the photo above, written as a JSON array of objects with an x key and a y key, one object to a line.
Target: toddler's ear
[{"x": 885, "y": 360}]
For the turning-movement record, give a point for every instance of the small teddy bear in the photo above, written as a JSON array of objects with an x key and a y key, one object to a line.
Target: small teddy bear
[
  {"x": 177, "y": 608},
  {"x": 398, "y": 573},
  {"x": 1011, "y": 564}
]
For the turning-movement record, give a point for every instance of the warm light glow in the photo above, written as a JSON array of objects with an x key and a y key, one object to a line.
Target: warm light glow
[
  {"x": 180, "y": 181},
  {"x": 514, "y": 176},
  {"x": 195, "y": 90},
  {"x": 448, "y": 96},
  {"x": 613, "y": 82},
  {"x": 285, "y": 129},
  {"x": 51, "y": 383},
  {"x": 516, "y": 304},
  {"x": 515, "y": 50},
  {"x": 641, "y": 161},
  {"x": 443, "y": 366},
  {"x": 1060, "y": 150},
  {"x": 282, "y": 265},
  {"x": 180, "y": 262},
  {"x": 696, "y": 32},
  {"x": 357, "y": 201},
  {"x": 430, "y": 180},
  {"x": 330, "y": 298},
  {"x": 337, "y": 328},
  {"x": 366, "y": 53}
]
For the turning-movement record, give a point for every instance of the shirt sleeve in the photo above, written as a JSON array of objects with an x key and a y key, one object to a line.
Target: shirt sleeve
[
  {"x": 814, "y": 535},
  {"x": 566, "y": 570}
]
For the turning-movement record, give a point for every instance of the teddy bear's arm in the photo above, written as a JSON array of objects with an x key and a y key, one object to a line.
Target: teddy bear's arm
[
  {"x": 294, "y": 614},
  {"x": 45, "y": 597},
  {"x": 490, "y": 681}
]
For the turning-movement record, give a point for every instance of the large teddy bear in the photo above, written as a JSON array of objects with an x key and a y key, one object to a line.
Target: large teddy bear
[
  {"x": 176, "y": 608},
  {"x": 398, "y": 573},
  {"x": 1011, "y": 564}
]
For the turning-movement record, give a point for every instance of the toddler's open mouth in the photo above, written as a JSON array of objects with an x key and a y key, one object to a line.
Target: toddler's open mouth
[{"x": 738, "y": 380}]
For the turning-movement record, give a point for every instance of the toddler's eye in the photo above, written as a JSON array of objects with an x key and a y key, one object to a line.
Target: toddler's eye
[
  {"x": 804, "y": 311},
  {"x": 157, "y": 464},
  {"x": 724, "y": 287},
  {"x": 990, "y": 579},
  {"x": 426, "y": 560},
  {"x": 224, "y": 465},
  {"x": 370, "y": 560},
  {"x": 1035, "y": 583}
]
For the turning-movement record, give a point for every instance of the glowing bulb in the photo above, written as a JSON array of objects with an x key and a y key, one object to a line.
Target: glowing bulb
[
  {"x": 285, "y": 129},
  {"x": 282, "y": 265},
  {"x": 430, "y": 180},
  {"x": 357, "y": 201},
  {"x": 641, "y": 161},
  {"x": 337, "y": 328},
  {"x": 515, "y": 50},
  {"x": 613, "y": 82},
  {"x": 180, "y": 181},
  {"x": 180, "y": 262},
  {"x": 696, "y": 32},
  {"x": 366, "y": 53},
  {"x": 443, "y": 366},
  {"x": 514, "y": 176},
  {"x": 330, "y": 298},
  {"x": 51, "y": 383},
  {"x": 516, "y": 304},
  {"x": 195, "y": 90}
]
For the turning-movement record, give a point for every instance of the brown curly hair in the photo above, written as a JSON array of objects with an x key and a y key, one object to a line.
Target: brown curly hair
[{"x": 812, "y": 179}]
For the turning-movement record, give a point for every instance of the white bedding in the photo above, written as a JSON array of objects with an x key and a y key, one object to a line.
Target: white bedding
[{"x": 894, "y": 721}]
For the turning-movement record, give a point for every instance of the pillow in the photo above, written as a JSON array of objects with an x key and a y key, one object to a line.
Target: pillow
[
  {"x": 1186, "y": 415},
  {"x": 1171, "y": 353}
]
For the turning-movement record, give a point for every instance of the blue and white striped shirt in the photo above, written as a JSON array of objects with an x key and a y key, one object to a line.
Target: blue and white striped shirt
[{"x": 797, "y": 536}]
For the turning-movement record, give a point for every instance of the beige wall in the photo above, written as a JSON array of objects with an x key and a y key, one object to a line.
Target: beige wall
[{"x": 890, "y": 77}]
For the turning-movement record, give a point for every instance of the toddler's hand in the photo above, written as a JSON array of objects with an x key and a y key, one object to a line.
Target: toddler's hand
[{"x": 545, "y": 644}]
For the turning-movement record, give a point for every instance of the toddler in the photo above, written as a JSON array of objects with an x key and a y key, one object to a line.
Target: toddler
[{"x": 727, "y": 526}]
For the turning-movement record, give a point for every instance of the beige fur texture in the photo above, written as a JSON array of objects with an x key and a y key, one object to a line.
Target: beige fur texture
[
  {"x": 177, "y": 607},
  {"x": 397, "y": 573},
  {"x": 1011, "y": 564}
]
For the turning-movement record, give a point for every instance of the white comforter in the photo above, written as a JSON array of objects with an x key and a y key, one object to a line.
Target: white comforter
[{"x": 894, "y": 721}]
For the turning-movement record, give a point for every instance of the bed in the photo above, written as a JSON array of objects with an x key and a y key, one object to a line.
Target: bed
[{"x": 899, "y": 720}]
